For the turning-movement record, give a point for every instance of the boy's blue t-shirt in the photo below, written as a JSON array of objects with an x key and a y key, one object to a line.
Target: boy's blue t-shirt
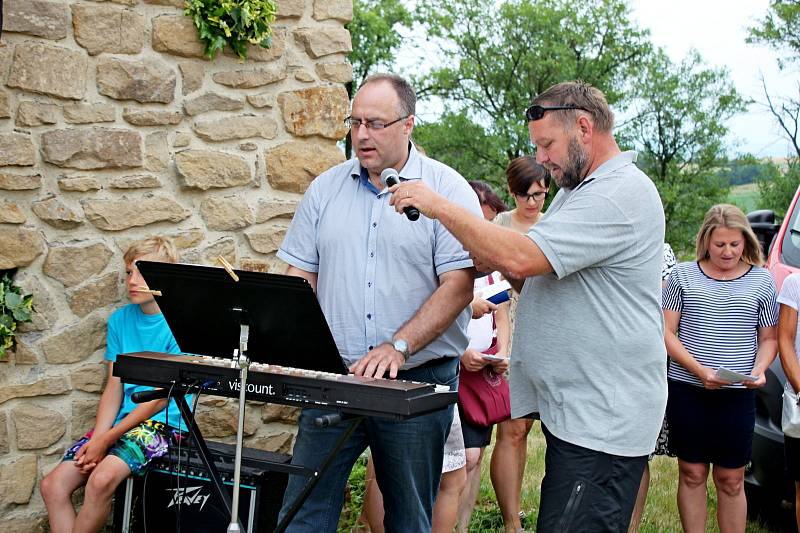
[{"x": 131, "y": 330}]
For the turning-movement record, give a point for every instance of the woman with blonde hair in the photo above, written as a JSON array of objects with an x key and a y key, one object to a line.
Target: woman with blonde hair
[{"x": 720, "y": 315}]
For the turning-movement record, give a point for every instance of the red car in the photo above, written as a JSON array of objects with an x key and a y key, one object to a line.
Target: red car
[{"x": 770, "y": 494}]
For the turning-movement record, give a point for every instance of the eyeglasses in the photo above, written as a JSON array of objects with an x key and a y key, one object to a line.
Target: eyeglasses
[
  {"x": 351, "y": 122},
  {"x": 536, "y": 197},
  {"x": 535, "y": 112}
]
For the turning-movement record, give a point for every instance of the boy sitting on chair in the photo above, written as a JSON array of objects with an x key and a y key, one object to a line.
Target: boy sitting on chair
[{"x": 126, "y": 436}]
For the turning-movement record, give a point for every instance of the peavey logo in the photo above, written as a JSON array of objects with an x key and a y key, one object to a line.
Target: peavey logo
[
  {"x": 251, "y": 387},
  {"x": 188, "y": 496}
]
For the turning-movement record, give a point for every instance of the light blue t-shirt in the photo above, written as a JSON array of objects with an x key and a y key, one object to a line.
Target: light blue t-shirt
[
  {"x": 375, "y": 268},
  {"x": 131, "y": 330}
]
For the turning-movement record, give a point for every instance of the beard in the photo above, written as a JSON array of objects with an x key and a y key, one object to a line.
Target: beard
[{"x": 573, "y": 173}]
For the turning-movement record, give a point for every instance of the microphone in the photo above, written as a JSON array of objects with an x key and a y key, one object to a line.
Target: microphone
[
  {"x": 390, "y": 178},
  {"x": 148, "y": 395}
]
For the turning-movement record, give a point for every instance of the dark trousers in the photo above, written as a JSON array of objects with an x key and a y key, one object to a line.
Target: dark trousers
[{"x": 585, "y": 490}]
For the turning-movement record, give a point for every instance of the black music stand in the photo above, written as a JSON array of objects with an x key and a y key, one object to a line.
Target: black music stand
[{"x": 266, "y": 318}]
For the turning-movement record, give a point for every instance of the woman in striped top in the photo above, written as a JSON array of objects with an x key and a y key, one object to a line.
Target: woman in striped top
[{"x": 720, "y": 311}]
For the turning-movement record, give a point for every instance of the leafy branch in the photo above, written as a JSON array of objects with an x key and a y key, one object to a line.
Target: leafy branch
[
  {"x": 14, "y": 308},
  {"x": 236, "y": 23}
]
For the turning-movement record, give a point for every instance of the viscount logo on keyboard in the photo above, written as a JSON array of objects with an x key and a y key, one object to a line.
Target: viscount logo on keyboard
[
  {"x": 290, "y": 386},
  {"x": 267, "y": 390}
]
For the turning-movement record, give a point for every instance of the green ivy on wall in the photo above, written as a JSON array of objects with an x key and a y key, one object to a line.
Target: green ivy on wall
[
  {"x": 236, "y": 23},
  {"x": 14, "y": 308}
]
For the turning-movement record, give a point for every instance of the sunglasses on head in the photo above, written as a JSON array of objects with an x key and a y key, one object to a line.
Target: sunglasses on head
[{"x": 535, "y": 112}]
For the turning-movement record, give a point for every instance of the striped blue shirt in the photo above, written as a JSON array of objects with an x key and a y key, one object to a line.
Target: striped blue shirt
[{"x": 719, "y": 318}]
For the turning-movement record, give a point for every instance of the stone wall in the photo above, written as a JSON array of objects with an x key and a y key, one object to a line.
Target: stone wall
[{"x": 113, "y": 127}]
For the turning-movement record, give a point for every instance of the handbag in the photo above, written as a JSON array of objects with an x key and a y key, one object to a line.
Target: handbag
[
  {"x": 483, "y": 395},
  {"x": 790, "y": 416}
]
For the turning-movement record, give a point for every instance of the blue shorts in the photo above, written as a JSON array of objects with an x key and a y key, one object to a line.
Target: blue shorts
[{"x": 137, "y": 447}]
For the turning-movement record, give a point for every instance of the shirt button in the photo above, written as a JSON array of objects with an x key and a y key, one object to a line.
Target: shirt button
[
  {"x": 369, "y": 284},
  {"x": 371, "y": 347},
  {"x": 374, "y": 224},
  {"x": 369, "y": 316},
  {"x": 371, "y": 254}
]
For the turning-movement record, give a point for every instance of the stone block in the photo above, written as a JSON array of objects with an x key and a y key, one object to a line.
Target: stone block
[
  {"x": 36, "y": 17},
  {"x": 156, "y": 149},
  {"x": 46, "y": 69},
  {"x": 92, "y": 148},
  {"x": 206, "y": 169},
  {"x": 323, "y": 41},
  {"x": 18, "y": 182},
  {"x": 83, "y": 113},
  {"x": 341, "y": 10},
  {"x": 248, "y": 147},
  {"x": 29, "y": 523},
  {"x": 269, "y": 208},
  {"x": 17, "y": 480},
  {"x": 181, "y": 140},
  {"x": 173, "y": 3},
  {"x": 278, "y": 442},
  {"x": 293, "y": 165},
  {"x": 137, "y": 181},
  {"x": 105, "y": 29},
  {"x": 94, "y": 294},
  {"x": 79, "y": 184},
  {"x": 212, "y": 102},
  {"x": 221, "y": 420},
  {"x": 187, "y": 238},
  {"x": 24, "y": 354},
  {"x": 267, "y": 239},
  {"x": 256, "y": 53},
  {"x": 36, "y": 426},
  {"x": 304, "y": 76},
  {"x": 74, "y": 262},
  {"x": 236, "y": 127},
  {"x": 315, "y": 111},
  {"x": 226, "y": 214},
  {"x": 10, "y": 213},
  {"x": 19, "y": 246},
  {"x": 338, "y": 72},
  {"x": 5, "y": 104},
  {"x": 192, "y": 74},
  {"x": 144, "y": 80},
  {"x": 75, "y": 342},
  {"x": 152, "y": 117},
  {"x": 290, "y": 8},
  {"x": 45, "y": 313},
  {"x": 36, "y": 114},
  {"x": 249, "y": 79},
  {"x": 124, "y": 213},
  {"x": 3, "y": 433},
  {"x": 226, "y": 247},
  {"x": 84, "y": 412},
  {"x": 16, "y": 149},
  {"x": 90, "y": 377},
  {"x": 254, "y": 265},
  {"x": 47, "y": 386},
  {"x": 271, "y": 412},
  {"x": 56, "y": 213},
  {"x": 261, "y": 100},
  {"x": 176, "y": 35}
]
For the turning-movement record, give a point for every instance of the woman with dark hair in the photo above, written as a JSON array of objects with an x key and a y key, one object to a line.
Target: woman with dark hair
[
  {"x": 720, "y": 312},
  {"x": 528, "y": 182}
]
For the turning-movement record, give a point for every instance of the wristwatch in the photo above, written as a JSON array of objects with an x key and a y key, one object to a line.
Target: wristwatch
[{"x": 402, "y": 346}]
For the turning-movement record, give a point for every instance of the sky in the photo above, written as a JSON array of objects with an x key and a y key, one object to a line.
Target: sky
[{"x": 717, "y": 30}]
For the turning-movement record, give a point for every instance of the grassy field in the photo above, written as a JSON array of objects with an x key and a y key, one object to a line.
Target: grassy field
[
  {"x": 745, "y": 196},
  {"x": 660, "y": 516}
]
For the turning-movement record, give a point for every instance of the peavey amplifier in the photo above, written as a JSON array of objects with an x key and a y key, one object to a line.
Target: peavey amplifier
[{"x": 177, "y": 494}]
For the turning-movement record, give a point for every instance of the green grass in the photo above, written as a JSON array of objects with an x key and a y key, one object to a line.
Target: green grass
[
  {"x": 660, "y": 515},
  {"x": 746, "y": 197}
]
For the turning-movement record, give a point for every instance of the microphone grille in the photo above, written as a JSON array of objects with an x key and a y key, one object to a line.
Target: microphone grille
[{"x": 387, "y": 174}]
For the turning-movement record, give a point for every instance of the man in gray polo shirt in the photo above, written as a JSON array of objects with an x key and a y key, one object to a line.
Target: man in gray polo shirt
[
  {"x": 588, "y": 350},
  {"x": 395, "y": 293}
]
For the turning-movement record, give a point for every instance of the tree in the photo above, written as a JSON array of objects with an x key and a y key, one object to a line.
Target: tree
[
  {"x": 679, "y": 114},
  {"x": 375, "y": 39},
  {"x": 780, "y": 30},
  {"x": 494, "y": 57}
]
